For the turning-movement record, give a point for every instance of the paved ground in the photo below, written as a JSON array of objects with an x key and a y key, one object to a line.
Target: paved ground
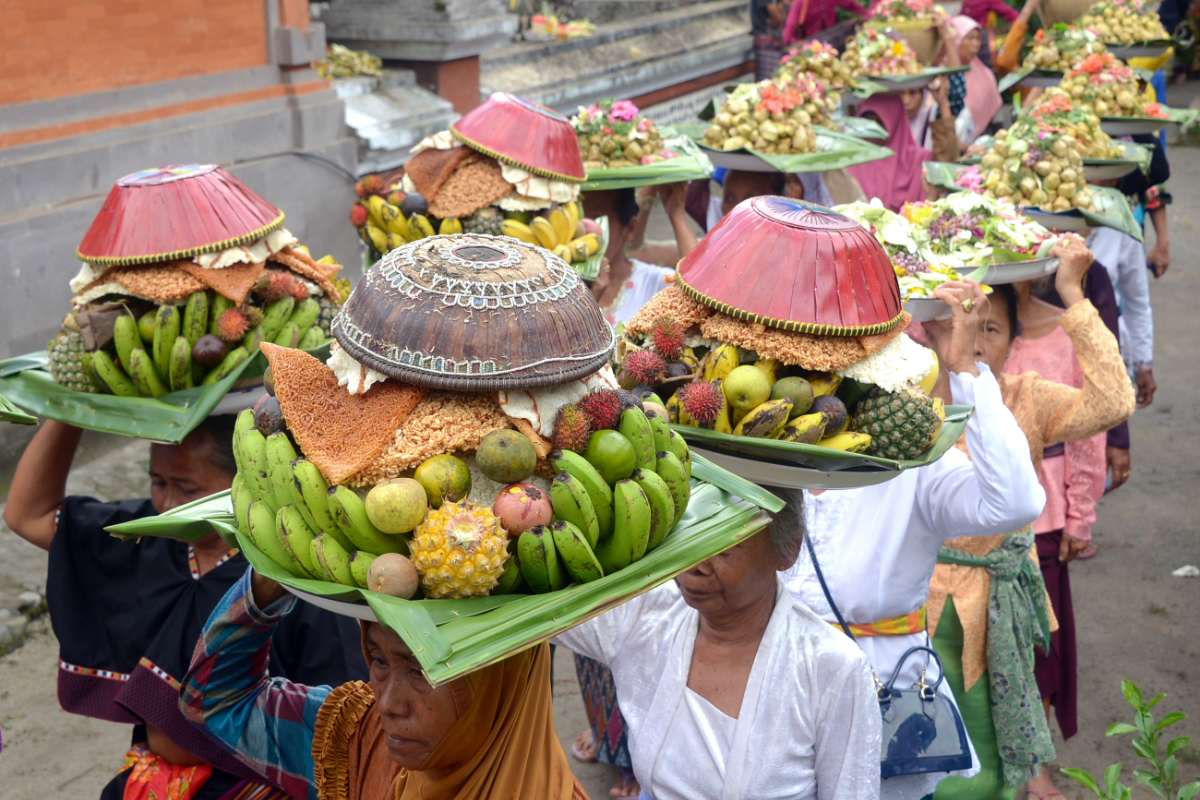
[{"x": 1135, "y": 620}]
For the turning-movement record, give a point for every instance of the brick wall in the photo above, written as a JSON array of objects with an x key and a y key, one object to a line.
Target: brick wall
[{"x": 58, "y": 48}]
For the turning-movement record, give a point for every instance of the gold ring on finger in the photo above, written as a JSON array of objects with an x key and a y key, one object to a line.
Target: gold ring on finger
[{"x": 968, "y": 305}]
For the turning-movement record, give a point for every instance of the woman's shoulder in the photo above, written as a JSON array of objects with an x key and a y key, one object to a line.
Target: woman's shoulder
[{"x": 825, "y": 646}]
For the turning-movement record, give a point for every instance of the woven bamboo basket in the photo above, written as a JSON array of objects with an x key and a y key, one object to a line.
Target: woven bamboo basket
[
  {"x": 473, "y": 312},
  {"x": 916, "y": 32},
  {"x": 1055, "y": 11}
]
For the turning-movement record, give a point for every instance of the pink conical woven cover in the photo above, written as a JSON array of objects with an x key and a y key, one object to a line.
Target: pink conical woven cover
[
  {"x": 522, "y": 133},
  {"x": 174, "y": 212},
  {"x": 794, "y": 266}
]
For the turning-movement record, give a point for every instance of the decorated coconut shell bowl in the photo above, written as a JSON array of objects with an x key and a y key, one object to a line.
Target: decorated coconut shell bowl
[
  {"x": 794, "y": 266},
  {"x": 175, "y": 212},
  {"x": 524, "y": 134},
  {"x": 474, "y": 312}
]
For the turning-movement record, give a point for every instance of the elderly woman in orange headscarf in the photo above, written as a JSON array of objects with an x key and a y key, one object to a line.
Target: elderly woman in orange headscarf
[{"x": 489, "y": 734}]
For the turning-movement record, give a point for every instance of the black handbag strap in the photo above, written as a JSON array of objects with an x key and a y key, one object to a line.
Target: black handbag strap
[{"x": 812, "y": 555}]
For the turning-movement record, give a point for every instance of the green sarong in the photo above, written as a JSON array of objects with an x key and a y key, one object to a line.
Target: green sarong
[{"x": 1018, "y": 619}]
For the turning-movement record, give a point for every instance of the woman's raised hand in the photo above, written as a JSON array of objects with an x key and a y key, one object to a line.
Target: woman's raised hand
[
  {"x": 954, "y": 342},
  {"x": 1074, "y": 261}
]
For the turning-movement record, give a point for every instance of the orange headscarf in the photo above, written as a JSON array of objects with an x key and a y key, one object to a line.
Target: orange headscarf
[{"x": 503, "y": 744}]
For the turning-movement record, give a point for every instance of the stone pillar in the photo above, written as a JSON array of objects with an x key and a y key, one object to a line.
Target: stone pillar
[{"x": 439, "y": 40}]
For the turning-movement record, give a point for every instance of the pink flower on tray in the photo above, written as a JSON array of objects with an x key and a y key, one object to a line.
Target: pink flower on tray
[
  {"x": 623, "y": 110},
  {"x": 970, "y": 178}
]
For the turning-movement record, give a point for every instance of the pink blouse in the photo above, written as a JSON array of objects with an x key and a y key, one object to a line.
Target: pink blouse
[{"x": 1074, "y": 480}]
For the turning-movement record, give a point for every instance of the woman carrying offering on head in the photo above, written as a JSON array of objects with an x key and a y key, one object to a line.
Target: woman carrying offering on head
[
  {"x": 730, "y": 688},
  {"x": 987, "y": 601},
  {"x": 877, "y": 545},
  {"x": 127, "y": 613},
  {"x": 975, "y": 91},
  {"x": 489, "y": 734}
]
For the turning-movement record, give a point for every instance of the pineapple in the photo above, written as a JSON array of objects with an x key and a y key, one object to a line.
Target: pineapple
[
  {"x": 329, "y": 309},
  {"x": 485, "y": 220},
  {"x": 459, "y": 551},
  {"x": 902, "y": 425},
  {"x": 66, "y": 362}
]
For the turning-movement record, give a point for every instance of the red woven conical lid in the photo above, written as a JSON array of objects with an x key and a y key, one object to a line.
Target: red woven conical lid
[
  {"x": 795, "y": 266},
  {"x": 174, "y": 212},
  {"x": 522, "y": 133}
]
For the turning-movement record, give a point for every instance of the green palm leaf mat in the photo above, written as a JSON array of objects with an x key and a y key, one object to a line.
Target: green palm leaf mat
[
  {"x": 26, "y": 384},
  {"x": 10, "y": 413},
  {"x": 453, "y": 637},
  {"x": 810, "y": 456},
  {"x": 689, "y": 164}
]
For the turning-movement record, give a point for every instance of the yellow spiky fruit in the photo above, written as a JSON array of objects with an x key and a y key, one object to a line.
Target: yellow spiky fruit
[{"x": 459, "y": 550}]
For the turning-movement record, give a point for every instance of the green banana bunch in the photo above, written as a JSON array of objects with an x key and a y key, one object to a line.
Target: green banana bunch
[
  {"x": 233, "y": 359},
  {"x": 296, "y": 538},
  {"x": 145, "y": 376},
  {"x": 661, "y": 430},
  {"x": 332, "y": 560},
  {"x": 310, "y": 494},
  {"x": 598, "y": 490},
  {"x": 631, "y": 527},
  {"x": 263, "y": 532},
  {"x": 253, "y": 447},
  {"x": 126, "y": 337},
  {"x": 510, "y": 580},
  {"x": 166, "y": 329},
  {"x": 360, "y": 567},
  {"x": 538, "y": 557},
  {"x": 636, "y": 428},
  {"x": 679, "y": 448},
  {"x": 288, "y": 336},
  {"x": 179, "y": 367},
  {"x": 305, "y": 315},
  {"x": 274, "y": 317},
  {"x": 662, "y": 506},
  {"x": 674, "y": 474},
  {"x": 195, "y": 317},
  {"x": 572, "y": 503},
  {"x": 313, "y": 338},
  {"x": 114, "y": 379},
  {"x": 574, "y": 552},
  {"x": 350, "y": 514}
]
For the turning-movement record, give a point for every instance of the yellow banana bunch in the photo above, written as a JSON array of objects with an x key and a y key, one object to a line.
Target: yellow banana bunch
[
  {"x": 419, "y": 227},
  {"x": 376, "y": 237},
  {"x": 770, "y": 367},
  {"x": 929, "y": 380},
  {"x": 824, "y": 383},
  {"x": 518, "y": 230},
  {"x": 849, "y": 441},
  {"x": 563, "y": 229},
  {"x": 375, "y": 205},
  {"x": 449, "y": 226},
  {"x": 573, "y": 214},
  {"x": 547, "y": 237},
  {"x": 720, "y": 362}
]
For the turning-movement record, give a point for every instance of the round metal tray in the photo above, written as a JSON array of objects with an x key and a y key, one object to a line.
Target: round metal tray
[
  {"x": 796, "y": 477},
  {"x": 1131, "y": 126},
  {"x": 1062, "y": 223},
  {"x": 1015, "y": 271},
  {"x": 742, "y": 162},
  {"x": 355, "y": 610},
  {"x": 926, "y": 309},
  {"x": 1128, "y": 51}
]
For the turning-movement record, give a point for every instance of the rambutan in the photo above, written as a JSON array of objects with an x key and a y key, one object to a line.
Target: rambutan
[
  {"x": 667, "y": 338},
  {"x": 603, "y": 408},
  {"x": 232, "y": 325},
  {"x": 702, "y": 400},
  {"x": 358, "y": 215},
  {"x": 360, "y": 189},
  {"x": 572, "y": 427},
  {"x": 279, "y": 285},
  {"x": 645, "y": 367},
  {"x": 299, "y": 292},
  {"x": 372, "y": 184},
  {"x": 253, "y": 315}
]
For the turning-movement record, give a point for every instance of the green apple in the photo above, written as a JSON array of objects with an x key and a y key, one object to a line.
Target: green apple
[{"x": 746, "y": 387}]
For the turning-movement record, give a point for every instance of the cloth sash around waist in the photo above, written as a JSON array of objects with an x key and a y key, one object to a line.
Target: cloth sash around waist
[{"x": 896, "y": 626}]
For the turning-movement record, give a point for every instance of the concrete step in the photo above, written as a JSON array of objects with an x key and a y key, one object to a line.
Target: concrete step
[
  {"x": 629, "y": 26},
  {"x": 600, "y": 12},
  {"x": 625, "y": 59},
  {"x": 389, "y": 115}
]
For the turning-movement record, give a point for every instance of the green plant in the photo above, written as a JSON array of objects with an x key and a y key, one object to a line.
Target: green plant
[{"x": 1160, "y": 779}]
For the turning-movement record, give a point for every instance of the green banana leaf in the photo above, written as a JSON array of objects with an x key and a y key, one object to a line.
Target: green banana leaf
[
  {"x": 1175, "y": 116},
  {"x": 1112, "y": 209},
  {"x": 877, "y": 84},
  {"x": 590, "y": 270},
  {"x": 451, "y": 638},
  {"x": 26, "y": 383},
  {"x": 811, "y": 456},
  {"x": 862, "y": 128},
  {"x": 187, "y": 523},
  {"x": 835, "y": 151},
  {"x": 10, "y": 413},
  {"x": 688, "y": 164}
]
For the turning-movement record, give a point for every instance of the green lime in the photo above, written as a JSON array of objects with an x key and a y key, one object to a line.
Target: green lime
[{"x": 611, "y": 454}]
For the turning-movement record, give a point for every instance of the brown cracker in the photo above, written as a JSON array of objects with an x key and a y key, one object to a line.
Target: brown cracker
[
  {"x": 822, "y": 353},
  {"x": 234, "y": 282},
  {"x": 474, "y": 185},
  {"x": 160, "y": 283},
  {"x": 339, "y": 432},
  {"x": 669, "y": 302},
  {"x": 307, "y": 268},
  {"x": 431, "y": 167}
]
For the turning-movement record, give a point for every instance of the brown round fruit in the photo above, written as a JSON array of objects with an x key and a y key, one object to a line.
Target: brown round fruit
[
  {"x": 394, "y": 575},
  {"x": 506, "y": 456},
  {"x": 268, "y": 416},
  {"x": 209, "y": 350},
  {"x": 834, "y": 411}
]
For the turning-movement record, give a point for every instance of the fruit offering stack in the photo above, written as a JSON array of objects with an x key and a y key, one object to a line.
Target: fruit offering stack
[
  {"x": 878, "y": 405},
  {"x": 1124, "y": 22},
  {"x": 907, "y": 10},
  {"x": 146, "y": 325},
  {"x": 1109, "y": 87},
  {"x": 621, "y": 483},
  {"x": 1062, "y": 47},
  {"x": 390, "y": 219},
  {"x": 342, "y": 62},
  {"x": 881, "y": 52},
  {"x": 1039, "y": 161},
  {"x": 611, "y": 135},
  {"x": 773, "y": 117},
  {"x": 820, "y": 62}
]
